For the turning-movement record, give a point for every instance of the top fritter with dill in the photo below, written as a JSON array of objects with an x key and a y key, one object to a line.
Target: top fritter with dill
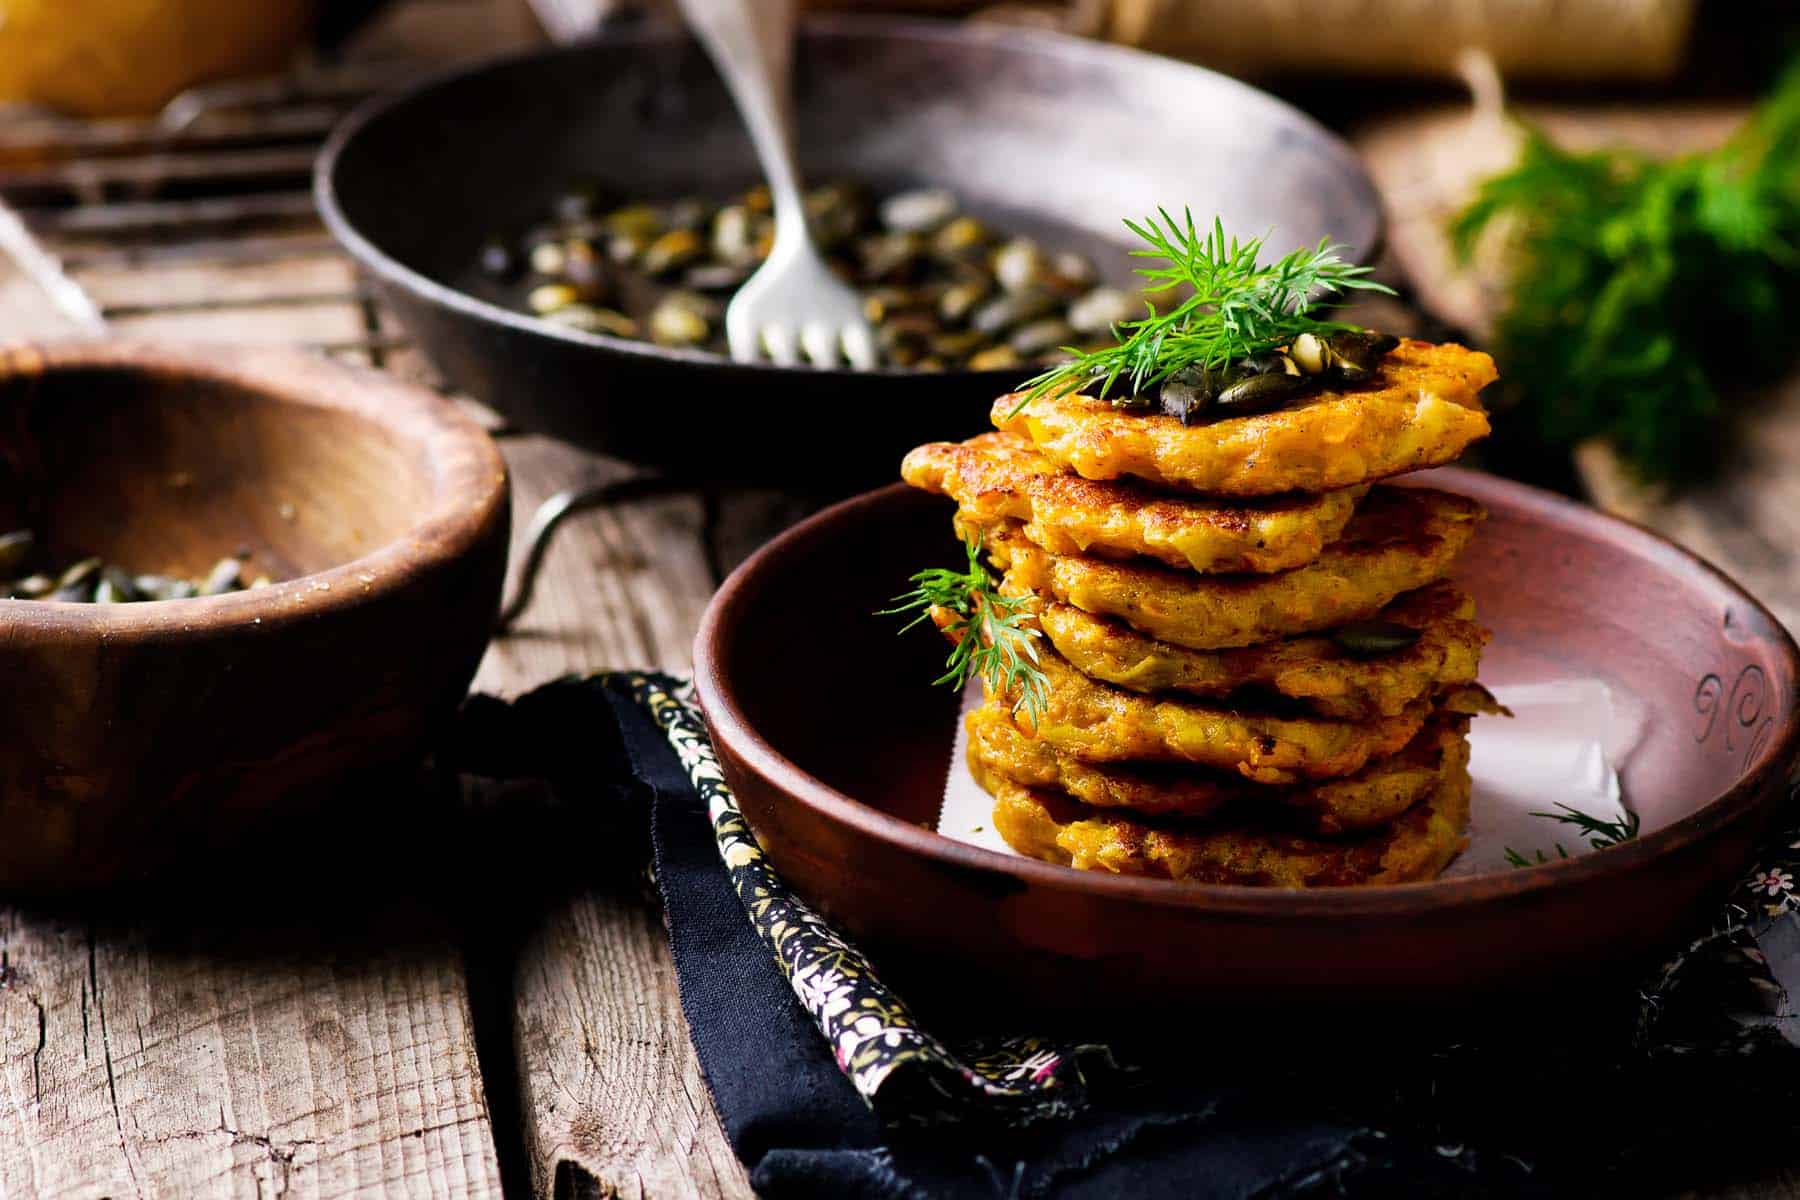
[{"x": 1245, "y": 384}]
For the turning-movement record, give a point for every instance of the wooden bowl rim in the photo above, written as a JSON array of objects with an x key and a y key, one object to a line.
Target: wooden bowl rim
[
  {"x": 1016, "y": 39},
  {"x": 731, "y": 729},
  {"x": 470, "y": 489}
]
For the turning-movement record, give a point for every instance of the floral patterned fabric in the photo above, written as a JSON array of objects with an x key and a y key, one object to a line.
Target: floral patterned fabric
[
  {"x": 1717, "y": 993},
  {"x": 901, "y": 1070}
]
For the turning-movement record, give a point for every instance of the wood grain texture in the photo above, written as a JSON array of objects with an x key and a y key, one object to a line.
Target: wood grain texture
[
  {"x": 611, "y": 1096},
  {"x": 138, "y": 1066}
]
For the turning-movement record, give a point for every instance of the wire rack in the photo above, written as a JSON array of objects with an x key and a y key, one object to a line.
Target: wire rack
[{"x": 200, "y": 217}]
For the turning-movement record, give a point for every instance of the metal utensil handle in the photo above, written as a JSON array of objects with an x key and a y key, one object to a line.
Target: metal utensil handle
[{"x": 752, "y": 44}]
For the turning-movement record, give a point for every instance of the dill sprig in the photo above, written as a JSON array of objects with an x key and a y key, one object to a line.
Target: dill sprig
[
  {"x": 1599, "y": 832},
  {"x": 990, "y": 639},
  {"x": 1515, "y": 859},
  {"x": 1234, "y": 308}
]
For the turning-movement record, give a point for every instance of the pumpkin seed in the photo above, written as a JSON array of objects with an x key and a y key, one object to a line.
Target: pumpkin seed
[
  {"x": 1006, "y": 312},
  {"x": 960, "y": 237},
  {"x": 1070, "y": 273},
  {"x": 715, "y": 277},
  {"x": 919, "y": 211},
  {"x": 118, "y": 582},
  {"x": 1039, "y": 337},
  {"x": 585, "y": 269},
  {"x": 891, "y": 257},
  {"x": 1259, "y": 394},
  {"x": 547, "y": 258},
  {"x": 1101, "y": 309},
  {"x": 1019, "y": 265},
  {"x": 637, "y": 221},
  {"x": 682, "y": 319},
  {"x": 733, "y": 236},
  {"x": 882, "y": 303},
  {"x": 226, "y": 576},
  {"x": 15, "y": 548},
  {"x": 589, "y": 319},
  {"x": 957, "y": 345},
  {"x": 1357, "y": 354},
  {"x": 551, "y": 296},
  {"x": 1188, "y": 395},
  {"x": 959, "y": 300},
  {"x": 1373, "y": 639},
  {"x": 672, "y": 251},
  {"x": 834, "y": 213},
  {"x": 154, "y": 587},
  {"x": 995, "y": 358},
  {"x": 83, "y": 572},
  {"x": 1310, "y": 353}
]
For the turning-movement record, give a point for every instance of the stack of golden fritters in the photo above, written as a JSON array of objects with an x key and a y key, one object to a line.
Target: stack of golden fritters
[{"x": 1256, "y": 671}]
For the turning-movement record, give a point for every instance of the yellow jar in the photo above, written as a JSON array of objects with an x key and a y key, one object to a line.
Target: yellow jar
[{"x": 113, "y": 57}]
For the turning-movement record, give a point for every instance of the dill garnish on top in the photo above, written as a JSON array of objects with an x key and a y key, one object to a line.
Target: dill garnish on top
[{"x": 1235, "y": 310}]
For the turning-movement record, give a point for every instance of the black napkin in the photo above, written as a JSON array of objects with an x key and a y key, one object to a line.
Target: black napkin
[{"x": 827, "y": 1085}]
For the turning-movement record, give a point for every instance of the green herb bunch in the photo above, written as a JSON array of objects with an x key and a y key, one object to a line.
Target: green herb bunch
[
  {"x": 1233, "y": 308},
  {"x": 1643, "y": 292},
  {"x": 991, "y": 637}
]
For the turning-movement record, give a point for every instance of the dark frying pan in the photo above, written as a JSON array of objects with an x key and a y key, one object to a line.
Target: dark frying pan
[{"x": 1037, "y": 132}]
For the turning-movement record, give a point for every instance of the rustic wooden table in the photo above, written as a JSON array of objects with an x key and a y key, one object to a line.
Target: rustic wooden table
[{"x": 414, "y": 1007}]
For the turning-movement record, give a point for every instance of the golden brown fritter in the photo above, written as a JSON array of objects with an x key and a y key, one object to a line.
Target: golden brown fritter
[
  {"x": 1422, "y": 410},
  {"x": 1096, "y": 722},
  {"x": 1418, "y": 845},
  {"x": 1310, "y": 669},
  {"x": 999, "y": 476},
  {"x": 1400, "y": 539},
  {"x": 1373, "y": 796}
]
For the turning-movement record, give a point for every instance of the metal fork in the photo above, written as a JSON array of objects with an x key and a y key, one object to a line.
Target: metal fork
[{"x": 793, "y": 304}]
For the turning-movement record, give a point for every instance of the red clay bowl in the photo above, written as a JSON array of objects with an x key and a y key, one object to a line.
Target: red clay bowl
[
  {"x": 135, "y": 736},
  {"x": 837, "y": 749}
]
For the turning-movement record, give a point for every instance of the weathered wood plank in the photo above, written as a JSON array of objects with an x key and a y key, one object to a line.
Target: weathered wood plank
[
  {"x": 135, "y": 1062},
  {"x": 612, "y": 1098}
]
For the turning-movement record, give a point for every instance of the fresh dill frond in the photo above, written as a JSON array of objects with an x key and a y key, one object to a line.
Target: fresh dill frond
[
  {"x": 1599, "y": 833},
  {"x": 1234, "y": 306},
  {"x": 990, "y": 638},
  {"x": 1515, "y": 859},
  {"x": 1645, "y": 295}
]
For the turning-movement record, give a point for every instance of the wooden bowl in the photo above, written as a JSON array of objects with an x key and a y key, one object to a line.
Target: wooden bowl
[
  {"x": 837, "y": 749},
  {"x": 132, "y": 733}
]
